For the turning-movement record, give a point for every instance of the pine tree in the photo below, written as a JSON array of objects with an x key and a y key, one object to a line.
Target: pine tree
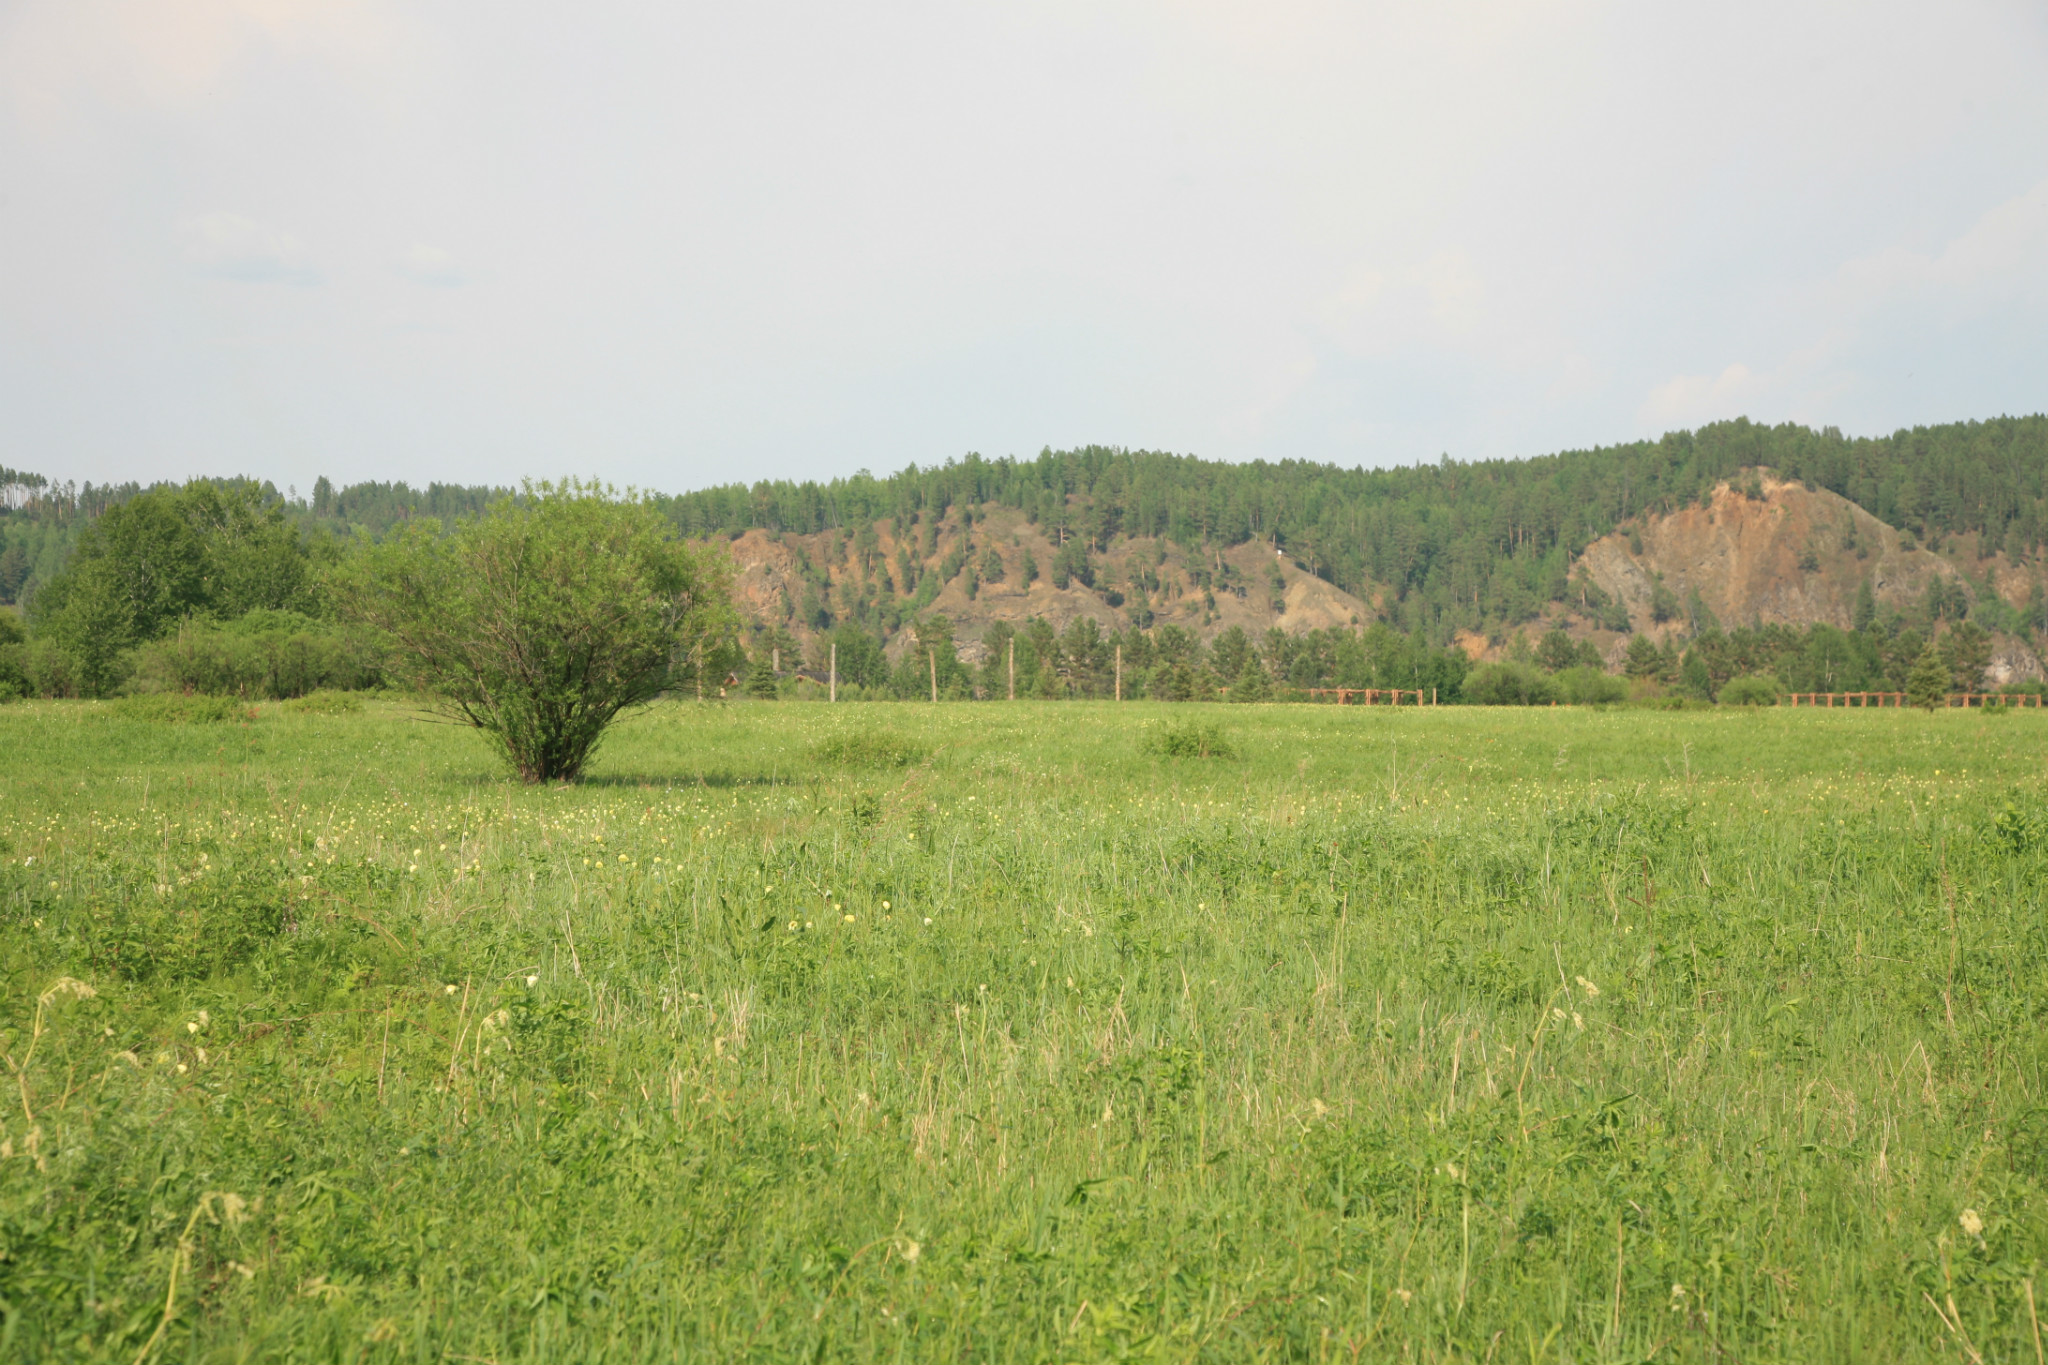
[
  {"x": 1695, "y": 678},
  {"x": 1252, "y": 683},
  {"x": 1927, "y": 684},
  {"x": 761, "y": 680},
  {"x": 1865, "y": 614},
  {"x": 1967, "y": 650},
  {"x": 1643, "y": 659}
]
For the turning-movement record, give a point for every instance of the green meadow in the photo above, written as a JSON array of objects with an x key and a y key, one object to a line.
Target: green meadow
[{"x": 1021, "y": 1032}]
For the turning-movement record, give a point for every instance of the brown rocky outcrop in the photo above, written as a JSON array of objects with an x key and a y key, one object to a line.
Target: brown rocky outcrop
[
  {"x": 1793, "y": 556},
  {"x": 769, "y": 583}
]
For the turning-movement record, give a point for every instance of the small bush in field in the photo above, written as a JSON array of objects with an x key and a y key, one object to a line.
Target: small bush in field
[
  {"x": 1754, "y": 690},
  {"x": 168, "y": 931},
  {"x": 1191, "y": 739},
  {"x": 325, "y": 703},
  {"x": 1584, "y": 685},
  {"x": 543, "y": 620},
  {"x": 2016, "y": 829},
  {"x": 868, "y": 749},
  {"x": 1509, "y": 684},
  {"x": 171, "y": 708}
]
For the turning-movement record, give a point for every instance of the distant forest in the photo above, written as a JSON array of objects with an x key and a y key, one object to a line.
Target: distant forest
[{"x": 1456, "y": 544}]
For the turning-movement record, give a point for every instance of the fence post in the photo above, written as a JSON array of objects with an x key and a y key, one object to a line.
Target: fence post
[
  {"x": 933, "y": 655},
  {"x": 832, "y": 693}
]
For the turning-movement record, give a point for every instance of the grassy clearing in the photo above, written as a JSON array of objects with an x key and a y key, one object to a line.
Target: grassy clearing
[{"x": 1018, "y": 1033}]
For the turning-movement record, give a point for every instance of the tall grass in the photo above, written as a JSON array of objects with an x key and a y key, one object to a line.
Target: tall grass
[{"x": 1425, "y": 1034}]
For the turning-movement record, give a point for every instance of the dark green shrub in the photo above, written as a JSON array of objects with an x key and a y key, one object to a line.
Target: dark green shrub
[
  {"x": 1757, "y": 689},
  {"x": 2016, "y": 829},
  {"x": 170, "y": 708},
  {"x": 1582, "y": 685},
  {"x": 325, "y": 703},
  {"x": 543, "y": 620},
  {"x": 259, "y": 654},
  {"x": 14, "y": 683},
  {"x": 1509, "y": 684},
  {"x": 1191, "y": 739},
  {"x": 201, "y": 925},
  {"x": 867, "y": 749}
]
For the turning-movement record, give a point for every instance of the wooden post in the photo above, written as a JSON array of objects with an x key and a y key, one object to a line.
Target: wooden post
[
  {"x": 832, "y": 687},
  {"x": 700, "y": 672},
  {"x": 933, "y": 655},
  {"x": 1013, "y": 668},
  {"x": 775, "y": 661},
  {"x": 1119, "y": 672}
]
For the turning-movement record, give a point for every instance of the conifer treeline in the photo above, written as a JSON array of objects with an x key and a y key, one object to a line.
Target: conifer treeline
[{"x": 1459, "y": 544}]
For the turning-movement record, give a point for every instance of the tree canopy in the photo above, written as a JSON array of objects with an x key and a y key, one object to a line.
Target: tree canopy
[{"x": 540, "y": 621}]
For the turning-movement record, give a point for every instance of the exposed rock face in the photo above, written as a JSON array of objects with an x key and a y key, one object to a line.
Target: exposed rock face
[
  {"x": 1778, "y": 553},
  {"x": 769, "y": 584},
  {"x": 2013, "y": 662},
  {"x": 1796, "y": 556}
]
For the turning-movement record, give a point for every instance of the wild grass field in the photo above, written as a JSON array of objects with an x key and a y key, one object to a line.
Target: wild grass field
[{"x": 1072, "y": 1032}]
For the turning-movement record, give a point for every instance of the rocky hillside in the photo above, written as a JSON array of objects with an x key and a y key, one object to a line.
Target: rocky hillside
[
  {"x": 1767, "y": 551},
  {"x": 1757, "y": 550},
  {"x": 1005, "y": 567}
]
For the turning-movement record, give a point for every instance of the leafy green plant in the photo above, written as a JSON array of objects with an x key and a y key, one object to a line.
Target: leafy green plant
[
  {"x": 1585, "y": 685},
  {"x": 263, "y": 653},
  {"x": 1753, "y": 690},
  {"x": 173, "y": 708},
  {"x": 208, "y": 549},
  {"x": 200, "y": 923},
  {"x": 1509, "y": 684},
  {"x": 543, "y": 620},
  {"x": 2016, "y": 828},
  {"x": 1190, "y": 739},
  {"x": 868, "y": 749},
  {"x": 325, "y": 703}
]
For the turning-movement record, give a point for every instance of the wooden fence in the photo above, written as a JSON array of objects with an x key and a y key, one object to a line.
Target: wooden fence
[
  {"x": 1862, "y": 699},
  {"x": 1374, "y": 696}
]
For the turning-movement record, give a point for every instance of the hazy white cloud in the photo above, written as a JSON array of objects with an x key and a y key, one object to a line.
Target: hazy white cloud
[
  {"x": 794, "y": 238},
  {"x": 423, "y": 264},
  {"x": 1693, "y": 398},
  {"x": 231, "y": 247},
  {"x": 2002, "y": 258},
  {"x": 60, "y": 57},
  {"x": 1887, "y": 300}
]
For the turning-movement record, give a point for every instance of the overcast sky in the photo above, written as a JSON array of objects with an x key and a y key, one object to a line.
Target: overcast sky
[{"x": 679, "y": 244}]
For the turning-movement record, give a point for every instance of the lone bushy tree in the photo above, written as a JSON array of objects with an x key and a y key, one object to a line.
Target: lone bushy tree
[{"x": 542, "y": 620}]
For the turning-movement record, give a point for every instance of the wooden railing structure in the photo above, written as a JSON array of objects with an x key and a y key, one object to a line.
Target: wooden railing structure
[
  {"x": 1863, "y": 699},
  {"x": 1373, "y": 696}
]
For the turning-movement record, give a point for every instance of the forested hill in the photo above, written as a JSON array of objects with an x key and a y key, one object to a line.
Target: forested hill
[
  {"x": 1446, "y": 545},
  {"x": 1448, "y": 529}
]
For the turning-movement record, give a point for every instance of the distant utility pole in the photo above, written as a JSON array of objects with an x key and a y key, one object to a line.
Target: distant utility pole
[
  {"x": 1119, "y": 672},
  {"x": 832, "y": 687},
  {"x": 1013, "y": 668},
  {"x": 933, "y": 655}
]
